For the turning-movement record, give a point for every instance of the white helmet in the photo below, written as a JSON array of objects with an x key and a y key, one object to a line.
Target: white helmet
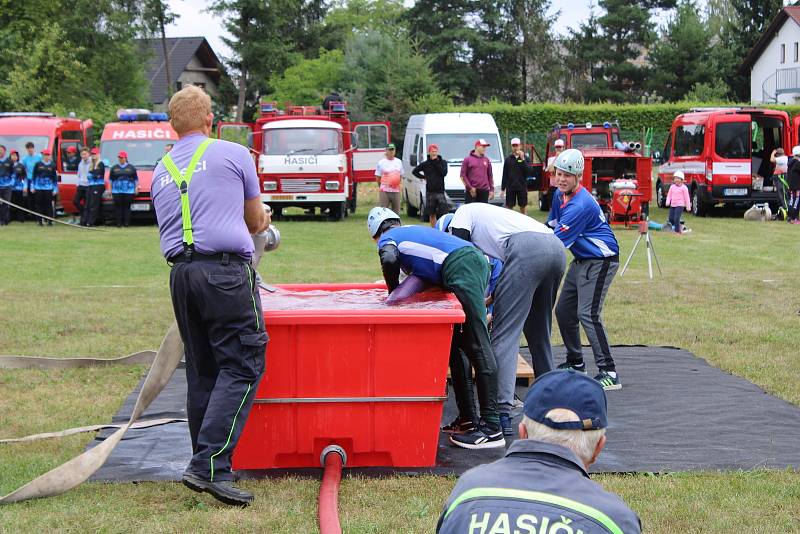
[
  {"x": 570, "y": 161},
  {"x": 443, "y": 223},
  {"x": 376, "y": 217}
]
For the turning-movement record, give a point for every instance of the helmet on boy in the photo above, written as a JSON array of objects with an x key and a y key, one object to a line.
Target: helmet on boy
[
  {"x": 570, "y": 161},
  {"x": 376, "y": 218},
  {"x": 443, "y": 223}
]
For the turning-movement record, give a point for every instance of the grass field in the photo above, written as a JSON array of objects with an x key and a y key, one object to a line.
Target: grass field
[{"x": 727, "y": 294}]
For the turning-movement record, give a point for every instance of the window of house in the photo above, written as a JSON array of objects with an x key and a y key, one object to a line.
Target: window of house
[
  {"x": 783, "y": 53},
  {"x": 796, "y": 53}
]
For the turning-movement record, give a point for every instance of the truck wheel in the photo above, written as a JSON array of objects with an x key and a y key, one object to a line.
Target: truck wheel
[
  {"x": 699, "y": 208},
  {"x": 277, "y": 213},
  {"x": 544, "y": 202},
  {"x": 661, "y": 195},
  {"x": 411, "y": 210},
  {"x": 336, "y": 211}
]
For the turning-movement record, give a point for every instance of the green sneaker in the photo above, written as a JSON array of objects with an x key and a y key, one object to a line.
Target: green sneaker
[
  {"x": 608, "y": 381},
  {"x": 581, "y": 368}
]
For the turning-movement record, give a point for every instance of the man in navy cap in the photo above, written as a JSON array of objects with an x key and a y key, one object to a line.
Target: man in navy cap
[{"x": 542, "y": 484}]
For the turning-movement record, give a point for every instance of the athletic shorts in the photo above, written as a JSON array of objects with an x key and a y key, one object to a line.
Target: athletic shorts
[
  {"x": 516, "y": 198},
  {"x": 436, "y": 204}
]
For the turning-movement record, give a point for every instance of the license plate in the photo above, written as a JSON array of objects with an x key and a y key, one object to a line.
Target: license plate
[
  {"x": 140, "y": 207},
  {"x": 738, "y": 192},
  {"x": 282, "y": 197}
]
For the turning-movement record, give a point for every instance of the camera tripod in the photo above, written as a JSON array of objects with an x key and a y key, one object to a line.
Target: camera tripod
[{"x": 644, "y": 231}]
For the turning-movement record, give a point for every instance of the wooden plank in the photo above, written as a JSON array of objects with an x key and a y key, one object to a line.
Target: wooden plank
[{"x": 524, "y": 371}]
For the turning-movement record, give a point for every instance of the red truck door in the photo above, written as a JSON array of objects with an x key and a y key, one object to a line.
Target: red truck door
[
  {"x": 537, "y": 168},
  {"x": 68, "y": 172},
  {"x": 795, "y": 135},
  {"x": 731, "y": 160},
  {"x": 369, "y": 146}
]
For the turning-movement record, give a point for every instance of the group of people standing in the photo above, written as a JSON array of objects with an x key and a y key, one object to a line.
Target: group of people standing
[
  {"x": 32, "y": 182},
  {"x": 455, "y": 255}
]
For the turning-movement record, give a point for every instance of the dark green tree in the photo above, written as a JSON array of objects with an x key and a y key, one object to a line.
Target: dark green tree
[
  {"x": 156, "y": 15},
  {"x": 680, "y": 58},
  {"x": 446, "y": 34},
  {"x": 615, "y": 49},
  {"x": 538, "y": 61},
  {"x": 346, "y": 17},
  {"x": 266, "y": 38}
]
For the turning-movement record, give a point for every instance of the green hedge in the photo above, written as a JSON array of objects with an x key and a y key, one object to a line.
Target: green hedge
[{"x": 531, "y": 122}]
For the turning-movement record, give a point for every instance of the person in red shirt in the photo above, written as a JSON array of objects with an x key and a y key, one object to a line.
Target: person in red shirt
[{"x": 476, "y": 174}]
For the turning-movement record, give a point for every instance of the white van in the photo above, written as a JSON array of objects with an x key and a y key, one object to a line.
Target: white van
[{"x": 455, "y": 133}]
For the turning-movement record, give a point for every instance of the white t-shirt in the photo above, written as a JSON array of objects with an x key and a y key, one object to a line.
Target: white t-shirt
[
  {"x": 781, "y": 164},
  {"x": 390, "y": 171},
  {"x": 491, "y": 226}
]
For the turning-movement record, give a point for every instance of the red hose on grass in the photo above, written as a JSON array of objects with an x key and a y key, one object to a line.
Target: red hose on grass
[{"x": 329, "y": 493}]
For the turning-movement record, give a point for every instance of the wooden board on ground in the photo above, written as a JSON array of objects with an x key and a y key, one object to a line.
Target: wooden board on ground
[{"x": 524, "y": 371}]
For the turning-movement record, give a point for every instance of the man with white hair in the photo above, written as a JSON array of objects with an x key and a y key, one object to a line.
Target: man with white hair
[{"x": 542, "y": 484}]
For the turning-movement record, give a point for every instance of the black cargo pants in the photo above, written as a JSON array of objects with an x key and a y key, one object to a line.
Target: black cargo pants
[{"x": 218, "y": 311}]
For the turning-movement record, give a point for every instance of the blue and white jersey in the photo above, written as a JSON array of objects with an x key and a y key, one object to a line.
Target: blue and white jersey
[
  {"x": 422, "y": 249},
  {"x": 580, "y": 224}
]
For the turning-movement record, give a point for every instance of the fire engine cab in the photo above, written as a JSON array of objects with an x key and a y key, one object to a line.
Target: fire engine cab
[
  {"x": 144, "y": 136},
  {"x": 58, "y": 134},
  {"x": 725, "y": 155},
  {"x": 617, "y": 175},
  {"x": 310, "y": 157}
]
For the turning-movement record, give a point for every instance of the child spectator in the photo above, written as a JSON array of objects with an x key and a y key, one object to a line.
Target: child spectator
[{"x": 677, "y": 200}]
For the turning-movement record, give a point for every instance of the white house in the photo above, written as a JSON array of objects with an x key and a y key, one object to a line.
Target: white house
[{"x": 774, "y": 61}]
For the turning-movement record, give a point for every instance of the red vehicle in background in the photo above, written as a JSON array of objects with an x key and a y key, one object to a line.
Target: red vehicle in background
[
  {"x": 144, "y": 136},
  {"x": 724, "y": 154},
  {"x": 58, "y": 134},
  {"x": 310, "y": 157},
  {"x": 616, "y": 174}
]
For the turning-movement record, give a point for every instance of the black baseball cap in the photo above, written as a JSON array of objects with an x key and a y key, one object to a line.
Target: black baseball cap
[{"x": 569, "y": 390}]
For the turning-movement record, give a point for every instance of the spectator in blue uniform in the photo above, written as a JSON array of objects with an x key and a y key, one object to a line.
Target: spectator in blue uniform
[
  {"x": 45, "y": 186},
  {"x": 124, "y": 182},
  {"x": 97, "y": 186},
  {"x": 458, "y": 266},
  {"x": 18, "y": 192},
  {"x": 6, "y": 183},
  {"x": 30, "y": 160},
  {"x": 579, "y": 222},
  {"x": 542, "y": 484}
]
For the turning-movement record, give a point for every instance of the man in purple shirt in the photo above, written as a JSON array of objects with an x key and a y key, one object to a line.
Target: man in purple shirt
[
  {"x": 476, "y": 173},
  {"x": 207, "y": 201}
]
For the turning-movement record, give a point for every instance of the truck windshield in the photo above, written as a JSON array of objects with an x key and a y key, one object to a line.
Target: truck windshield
[
  {"x": 311, "y": 141},
  {"x": 17, "y": 142},
  {"x": 142, "y": 154},
  {"x": 732, "y": 140},
  {"x": 455, "y": 147},
  {"x": 589, "y": 140}
]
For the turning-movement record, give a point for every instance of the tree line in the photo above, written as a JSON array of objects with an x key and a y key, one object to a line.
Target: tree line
[{"x": 387, "y": 59}]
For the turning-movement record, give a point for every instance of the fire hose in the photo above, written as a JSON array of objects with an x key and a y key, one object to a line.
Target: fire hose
[
  {"x": 50, "y": 218},
  {"x": 74, "y": 472},
  {"x": 332, "y": 459}
]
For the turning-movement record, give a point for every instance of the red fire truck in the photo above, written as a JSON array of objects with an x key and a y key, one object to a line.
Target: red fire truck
[
  {"x": 144, "y": 135},
  {"x": 310, "y": 157},
  {"x": 58, "y": 134},
  {"x": 725, "y": 155},
  {"x": 618, "y": 176}
]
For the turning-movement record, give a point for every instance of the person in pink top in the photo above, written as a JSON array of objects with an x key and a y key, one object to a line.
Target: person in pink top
[{"x": 678, "y": 200}]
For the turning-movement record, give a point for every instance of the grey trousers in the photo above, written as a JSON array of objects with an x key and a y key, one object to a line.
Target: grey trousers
[
  {"x": 523, "y": 302},
  {"x": 581, "y": 304}
]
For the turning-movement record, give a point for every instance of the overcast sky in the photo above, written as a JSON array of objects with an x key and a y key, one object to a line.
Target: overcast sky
[{"x": 194, "y": 21}]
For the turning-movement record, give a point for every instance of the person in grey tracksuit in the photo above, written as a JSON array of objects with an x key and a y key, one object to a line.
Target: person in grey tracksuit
[{"x": 534, "y": 261}]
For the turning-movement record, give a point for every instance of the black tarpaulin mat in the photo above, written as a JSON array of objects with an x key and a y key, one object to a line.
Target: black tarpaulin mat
[{"x": 674, "y": 413}]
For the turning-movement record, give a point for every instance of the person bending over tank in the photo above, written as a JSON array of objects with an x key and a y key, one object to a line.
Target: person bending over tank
[
  {"x": 579, "y": 223},
  {"x": 542, "y": 484},
  {"x": 457, "y": 266}
]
